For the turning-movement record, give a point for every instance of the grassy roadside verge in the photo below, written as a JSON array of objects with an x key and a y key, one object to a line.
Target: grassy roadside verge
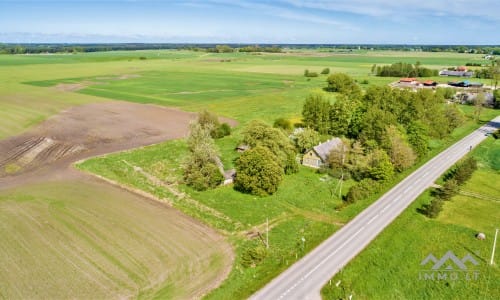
[{"x": 393, "y": 259}]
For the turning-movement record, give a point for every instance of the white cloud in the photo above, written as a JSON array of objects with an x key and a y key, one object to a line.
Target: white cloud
[
  {"x": 285, "y": 13},
  {"x": 383, "y": 8}
]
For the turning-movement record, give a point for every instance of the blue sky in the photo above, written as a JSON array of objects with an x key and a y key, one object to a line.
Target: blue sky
[{"x": 252, "y": 21}]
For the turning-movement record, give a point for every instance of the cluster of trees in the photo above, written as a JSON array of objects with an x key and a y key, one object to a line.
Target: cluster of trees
[
  {"x": 24, "y": 48},
  {"x": 401, "y": 69},
  {"x": 250, "y": 48},
  {"x": 217, "y": 130},
  {"x": 386, "y": 130},
  {"x": 203, "y": 169},
  {"x": 308, "y": 73},
  {"x": 260, "y": 170},
  {"x": 52, "y": 48},
  {"x": 270, "y": 49},
  {"x": 453, "y": 179}
]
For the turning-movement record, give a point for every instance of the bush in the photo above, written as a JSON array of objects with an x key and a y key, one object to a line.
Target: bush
[
  {"x": 253, "y": 256},
  {"x": 342, "y": 83},
  {"x": 432, "y": 209},
  {"x": 448, "y": 190},
  {"x": 203, "y": 177},
  {"x": 325, "y": 71},
  {"x": 364, "y": 189},
  {"x": 223, "y": 130},
  {"x": 258, "y": 172},
  {"x": 283, "y": 124},
  {"x": 496, "y": 134}
]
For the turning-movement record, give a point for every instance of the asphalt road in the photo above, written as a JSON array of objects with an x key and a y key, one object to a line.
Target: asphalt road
[{"x": 305, "y": 278}]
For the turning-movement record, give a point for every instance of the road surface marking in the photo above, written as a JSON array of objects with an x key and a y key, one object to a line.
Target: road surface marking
[
  {"x": 322, "y": 262},
  {"x": 372, "y": 219}
]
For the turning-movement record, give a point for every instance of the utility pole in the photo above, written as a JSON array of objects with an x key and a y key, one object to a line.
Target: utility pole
[
  {"x": 267, "y": 233},
  {"x": 342, "y": 176},
  {"x": 494, "y": 246}
]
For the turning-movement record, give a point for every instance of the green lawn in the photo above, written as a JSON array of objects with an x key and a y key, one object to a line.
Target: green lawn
[{"x": 393, "y": 259}]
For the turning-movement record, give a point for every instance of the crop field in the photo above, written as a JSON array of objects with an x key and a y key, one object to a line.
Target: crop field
[
  {"x": 61, "y": 241},
  {"x": 268, "y": 85},
  {"x": 393, "y": 259},
  {"x": 239, "y": 86}
]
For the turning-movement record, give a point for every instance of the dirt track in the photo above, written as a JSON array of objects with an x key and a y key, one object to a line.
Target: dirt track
[{"x": 46, "y": 153}]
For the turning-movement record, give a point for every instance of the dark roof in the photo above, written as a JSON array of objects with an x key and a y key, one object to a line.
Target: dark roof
[
  {"x": 456, "y": 73},
  {"x": 229, "y": 174},
  {"x": 324, "y": 149}
]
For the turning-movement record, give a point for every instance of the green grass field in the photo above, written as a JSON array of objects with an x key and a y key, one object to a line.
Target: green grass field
[
  {"x": 389, "y": 268},
  {"x": 61, "y": 241},
  {"x": 268, "y": 86}
]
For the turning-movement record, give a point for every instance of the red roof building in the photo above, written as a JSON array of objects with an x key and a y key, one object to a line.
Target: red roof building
[{"x": 408, "y": 80}]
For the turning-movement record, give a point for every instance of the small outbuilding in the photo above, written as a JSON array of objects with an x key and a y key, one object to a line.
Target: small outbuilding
[
  {"x": 429, "y": 83},
  {"x": 318, "y": 155},
  {"x": 242, "y": 148}
]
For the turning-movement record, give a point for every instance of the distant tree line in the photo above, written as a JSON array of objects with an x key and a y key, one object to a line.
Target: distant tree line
[
  {"x": 401, "y": 69},
  {"x": 74, "y": 48},
  {"x": 23, "y": 48}
]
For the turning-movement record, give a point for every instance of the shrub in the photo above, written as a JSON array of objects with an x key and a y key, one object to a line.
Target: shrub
[
  {"x": 449, "y": 189},
  {"x": 202, "y": 177},
  {"x": 496, "y": 134},
  {"x": 258, "y": 172},
  {"x": 283, "y": 124},
  {"x": 253, "y": 256},
  {"x": 223, "y": 130},
  {"x": 362, "y": 190},
  {"x": 432, "y": 209},
  {"x": 325, "y": 71}
]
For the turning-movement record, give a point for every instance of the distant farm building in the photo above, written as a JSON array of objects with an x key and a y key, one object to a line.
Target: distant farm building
[
  {"x": 457, "y": 72},
  {"x": 318, "y": 155},
  {"x": 410, "y": 80},
  {"x": 465, "y": 83}
]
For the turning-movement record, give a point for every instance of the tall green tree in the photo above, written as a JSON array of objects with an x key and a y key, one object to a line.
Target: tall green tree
[
  {"x": 258, "y": 133},
  {"x": 344, "y": 84},
  {"x": 418, "y": 138},
  {"x": 316, "y": 113},
  {"x": 306, "y": 139},
  {"x": 380, "y": 166},
  {"x": 258, "y": 172},
  {"x": 401, "y": 154},
  {"x": 201, "y": 170}
]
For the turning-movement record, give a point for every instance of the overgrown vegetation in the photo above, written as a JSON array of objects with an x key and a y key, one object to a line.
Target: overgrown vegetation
[{"x": 202, "y": 168}]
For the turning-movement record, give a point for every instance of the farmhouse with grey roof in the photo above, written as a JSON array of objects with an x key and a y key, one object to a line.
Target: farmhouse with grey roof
[{"x": 318, "y": 155}]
